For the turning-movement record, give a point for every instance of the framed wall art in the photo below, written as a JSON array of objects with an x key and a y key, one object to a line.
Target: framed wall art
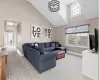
[{"x": 35, "y": 31}]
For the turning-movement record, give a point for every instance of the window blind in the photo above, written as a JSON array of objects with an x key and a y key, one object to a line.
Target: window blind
[{"x": 77, "y": 29}]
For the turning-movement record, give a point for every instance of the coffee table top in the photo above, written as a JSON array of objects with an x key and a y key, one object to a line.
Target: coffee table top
[{"x": 59, "y": 51}]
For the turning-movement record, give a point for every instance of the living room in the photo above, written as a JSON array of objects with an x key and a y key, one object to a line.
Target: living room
[{"x": 58, "y": 38}]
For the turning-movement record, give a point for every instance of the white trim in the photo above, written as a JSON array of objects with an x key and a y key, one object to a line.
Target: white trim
[
  {"x": 74, "y": 53},
  {"x": 77, "y": 46},
  {"x": 20, "y": 54}
]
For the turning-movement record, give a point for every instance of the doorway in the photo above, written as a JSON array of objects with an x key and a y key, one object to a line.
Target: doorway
[
  {"x": 9, "y": 39},
  {"x": 11, "y": 34}
]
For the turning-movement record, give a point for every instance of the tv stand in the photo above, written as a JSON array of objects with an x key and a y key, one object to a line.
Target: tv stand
[{"x": 90, "y": 64}]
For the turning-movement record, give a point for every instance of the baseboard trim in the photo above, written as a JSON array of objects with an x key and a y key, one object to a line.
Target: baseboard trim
[
  {"x": 19, "y": 53},
  {"x": 74, "y": 53},
  {"x": 86, "y": 76}
]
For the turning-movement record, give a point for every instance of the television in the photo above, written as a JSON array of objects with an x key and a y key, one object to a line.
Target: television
[
  {"x": 92, "y": 41},
  {"x": 96, "y": 40}
]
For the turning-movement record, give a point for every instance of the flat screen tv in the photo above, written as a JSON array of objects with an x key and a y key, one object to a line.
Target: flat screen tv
[
  {"x": 92, "y": 41},
  {"x": 96, "y": 39}
]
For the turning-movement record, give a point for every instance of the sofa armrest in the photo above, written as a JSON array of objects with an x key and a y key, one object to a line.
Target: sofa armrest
[
  {"x": 24, "y": 50},
  {"x": 48, "y": 56},
  {"x": 32, "y": 50},
  {"x": 33, "y": 56}
]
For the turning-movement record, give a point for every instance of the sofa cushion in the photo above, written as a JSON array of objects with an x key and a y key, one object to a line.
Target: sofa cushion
[
  {"x": 41, "y": 45},
  {"x": 53, "y": 44},
  {"x": 46, "y": 52},
  {"x": 29, "y": 44},
  {"x": 47, "y": 44},
  {"x": 46, "y": 49},
  {"x": 51, "y": 48},
  {"x": 39, "y": 49}
]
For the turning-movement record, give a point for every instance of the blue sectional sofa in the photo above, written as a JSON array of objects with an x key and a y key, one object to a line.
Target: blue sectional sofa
[{"x": 42, "y": 57}]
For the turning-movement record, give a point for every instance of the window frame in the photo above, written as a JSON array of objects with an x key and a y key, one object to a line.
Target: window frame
[{"x": 75, "y": 45}]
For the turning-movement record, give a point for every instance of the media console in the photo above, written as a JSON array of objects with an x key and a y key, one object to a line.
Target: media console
[{"x": 90, "y": 64}]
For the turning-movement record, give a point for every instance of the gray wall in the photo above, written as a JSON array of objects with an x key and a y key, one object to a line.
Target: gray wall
[{"x": 24, "y": 12}]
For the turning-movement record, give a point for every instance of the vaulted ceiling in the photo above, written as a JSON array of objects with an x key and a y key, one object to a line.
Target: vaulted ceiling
[{"x": 89, "y": 9}]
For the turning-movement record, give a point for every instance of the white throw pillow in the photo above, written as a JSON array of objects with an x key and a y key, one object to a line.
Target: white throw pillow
[{"x": 36, "y": 44}]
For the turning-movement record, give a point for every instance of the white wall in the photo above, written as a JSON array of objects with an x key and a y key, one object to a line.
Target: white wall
[{"x": 24, "y": 12}]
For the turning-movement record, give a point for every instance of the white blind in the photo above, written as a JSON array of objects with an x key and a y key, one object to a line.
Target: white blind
[{"x": 77, "y": 29}]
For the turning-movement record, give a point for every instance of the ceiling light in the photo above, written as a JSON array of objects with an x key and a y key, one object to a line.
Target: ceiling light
[{"x": 54, "y": 5}]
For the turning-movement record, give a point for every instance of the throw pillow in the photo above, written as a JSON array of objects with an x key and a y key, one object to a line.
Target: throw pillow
[
  {"x": 52, "y": 44},
  {"x": 36, "y": 44}
]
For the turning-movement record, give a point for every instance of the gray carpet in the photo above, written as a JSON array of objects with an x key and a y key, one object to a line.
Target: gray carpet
[{"x": 69, "y": 68}]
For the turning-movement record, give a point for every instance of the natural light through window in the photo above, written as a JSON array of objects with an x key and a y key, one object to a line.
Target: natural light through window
[
  {"x": 10, "y": 23},
  {"x": 78, "y": 36},
  {"x": 75, "y": 9}
]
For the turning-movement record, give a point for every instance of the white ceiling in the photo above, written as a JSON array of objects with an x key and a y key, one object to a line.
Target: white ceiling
[
  {"x": 67, "y": 2},
  {"x": 89, "y": 9},
  {"x": 55, "y": 18}
]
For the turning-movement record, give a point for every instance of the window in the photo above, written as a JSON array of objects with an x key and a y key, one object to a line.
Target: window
[
  {"x": 75, "y": 9},
  {"x": 10, "y": 23},
  {"x": 78, "y": 36}
]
